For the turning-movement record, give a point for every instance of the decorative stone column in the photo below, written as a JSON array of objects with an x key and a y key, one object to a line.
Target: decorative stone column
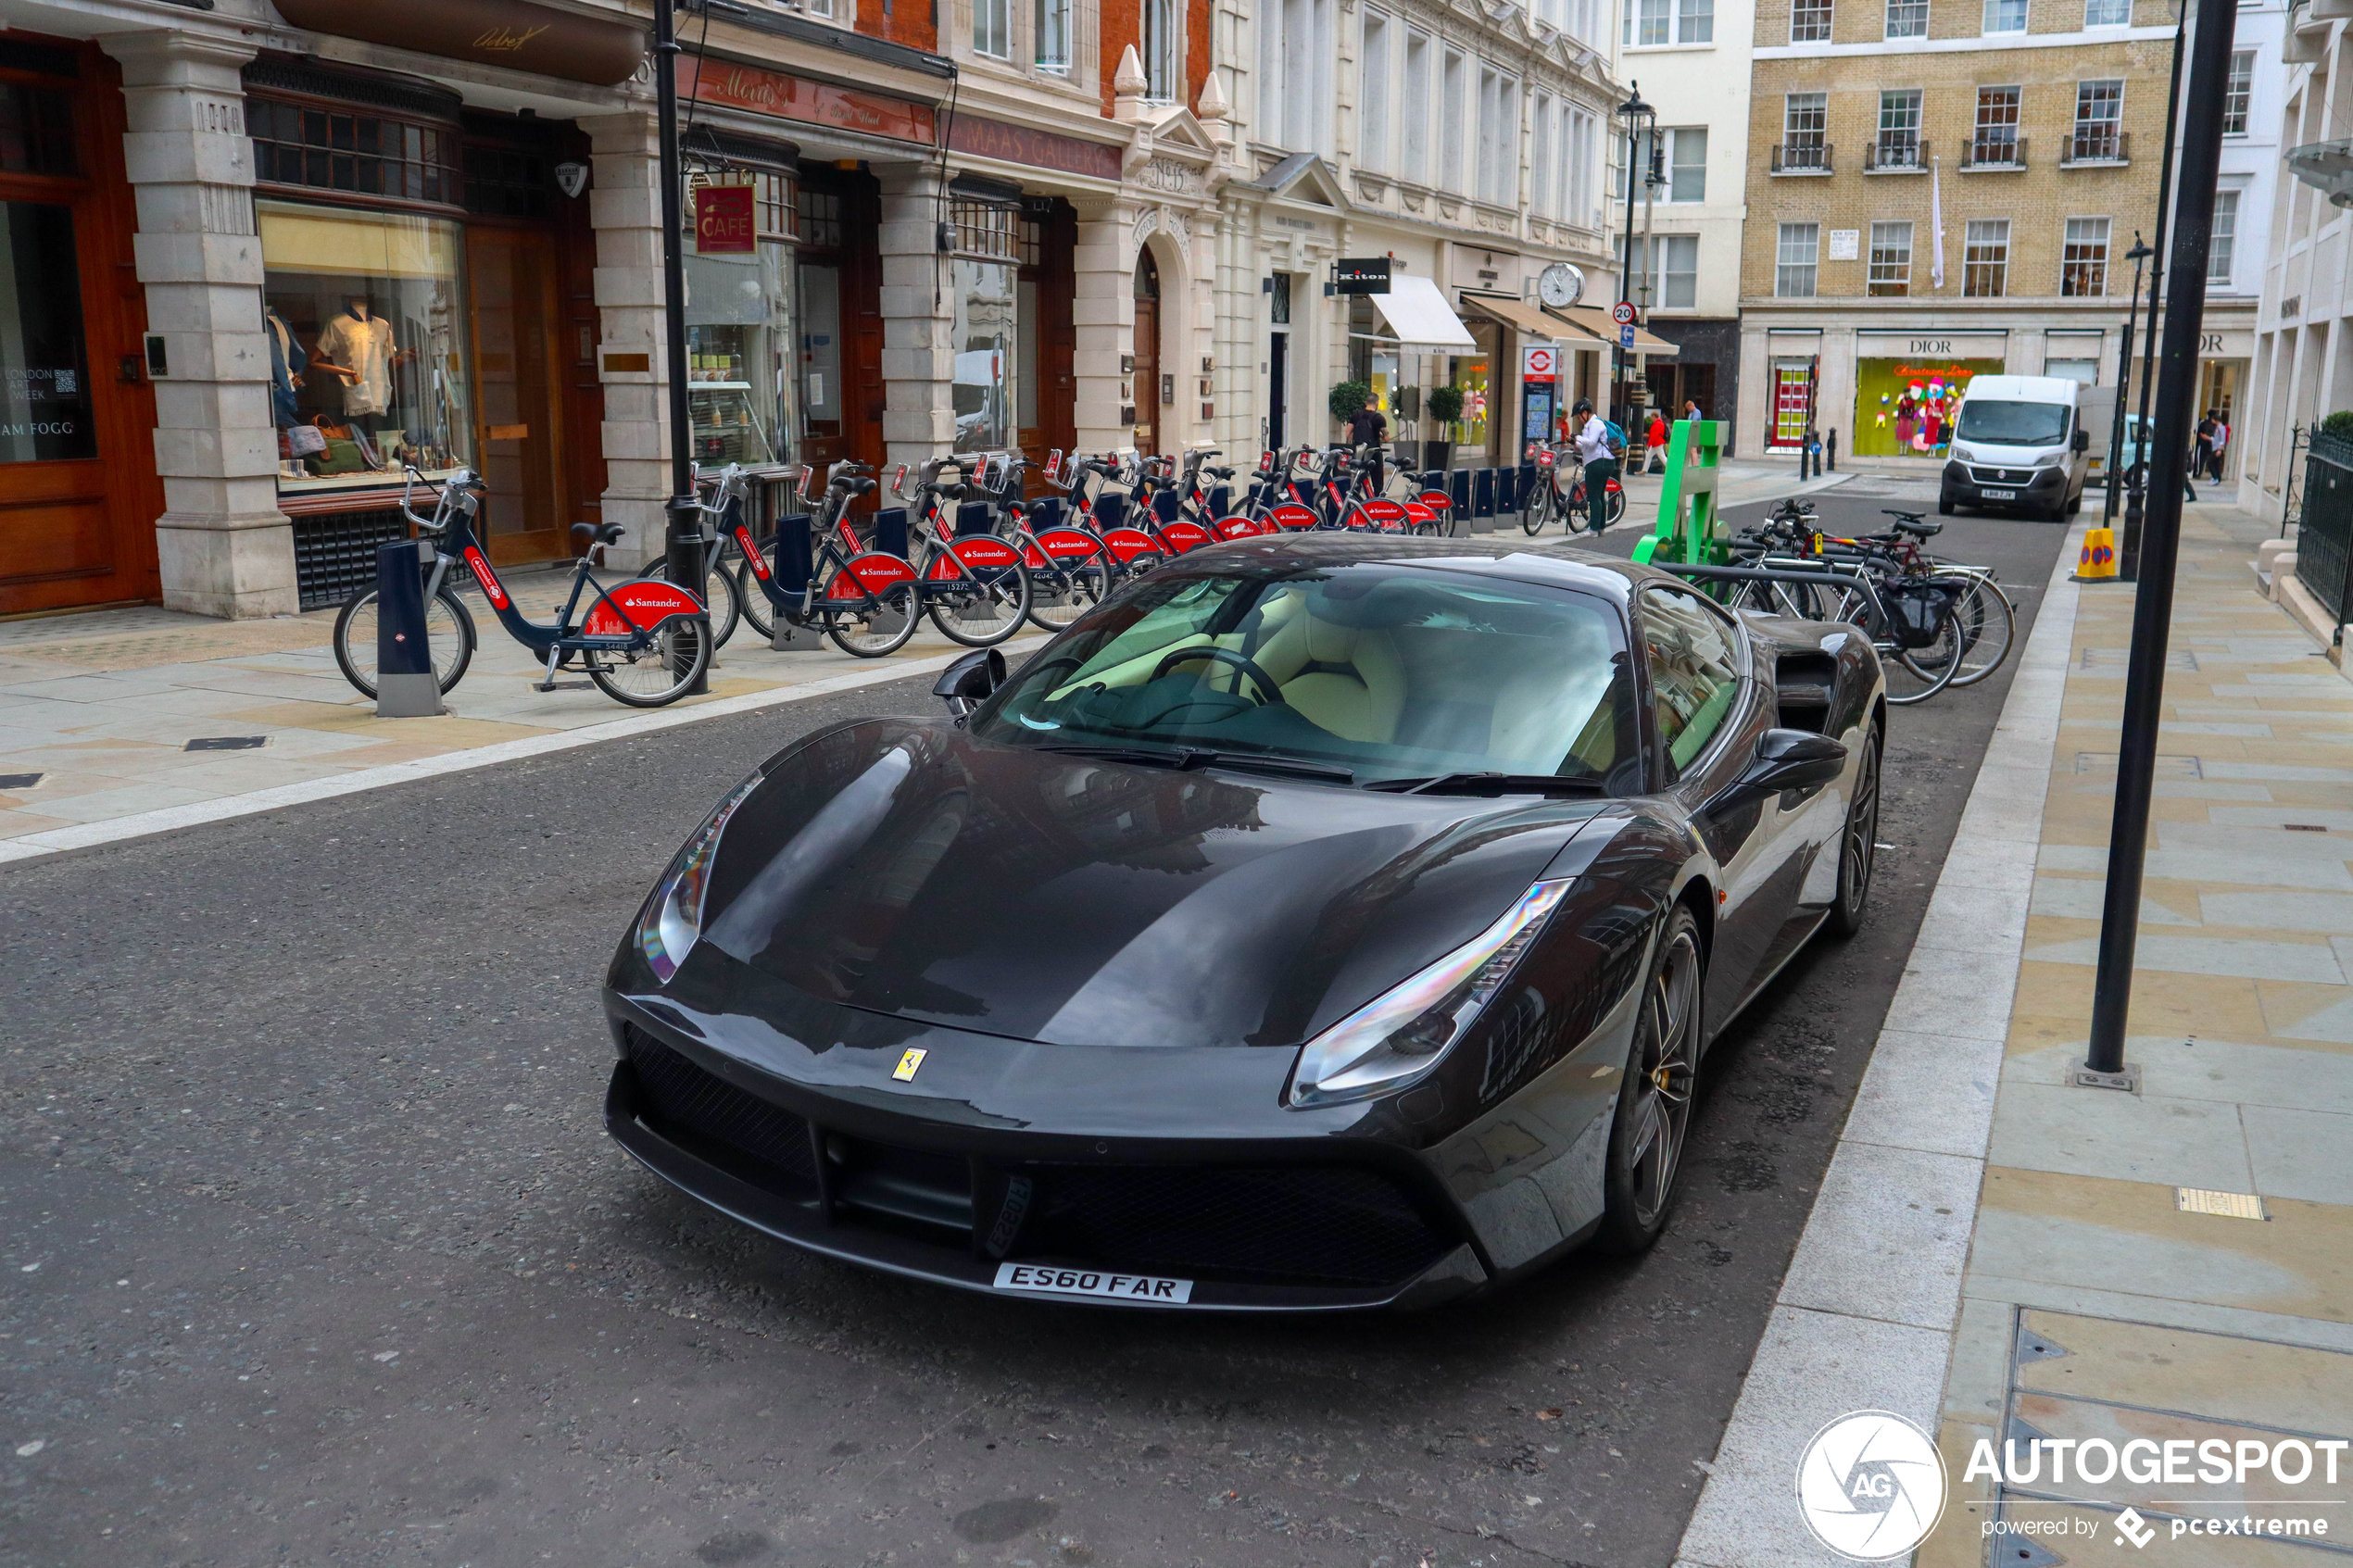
[
  {"x": 624, "y": 210},
  {"x": 1103, "y": 312},
  {"x": 919, "y": 323},
  {"x": 223, "y": 545}
]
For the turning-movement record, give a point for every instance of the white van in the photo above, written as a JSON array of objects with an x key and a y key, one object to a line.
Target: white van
[{"x": 2017, "y": 442}]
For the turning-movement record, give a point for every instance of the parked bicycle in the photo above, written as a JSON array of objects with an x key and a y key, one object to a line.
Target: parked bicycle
[
  {"x": 642, "y": 642},
  {"x": 1548, "y": 499}
]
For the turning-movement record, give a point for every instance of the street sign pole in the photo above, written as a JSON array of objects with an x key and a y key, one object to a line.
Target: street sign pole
[
  {"x": 2168, "y": 450},
  {"x": 682, "y": 536}
]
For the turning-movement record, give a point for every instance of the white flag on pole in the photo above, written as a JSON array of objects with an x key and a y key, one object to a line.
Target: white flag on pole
[{"x": 1936, "y": 222}]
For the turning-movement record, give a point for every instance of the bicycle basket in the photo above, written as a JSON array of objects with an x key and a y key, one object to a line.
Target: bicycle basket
[{"x": 1918, "y": 608}]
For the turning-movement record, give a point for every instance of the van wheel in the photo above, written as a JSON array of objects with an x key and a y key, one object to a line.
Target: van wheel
[
  {"x": 1945, "y": 504},
  {"x": 2075, "y": 507}
]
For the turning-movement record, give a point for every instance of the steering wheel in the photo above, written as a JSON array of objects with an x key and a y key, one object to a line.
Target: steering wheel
[{"x": 1268, "y": 692}]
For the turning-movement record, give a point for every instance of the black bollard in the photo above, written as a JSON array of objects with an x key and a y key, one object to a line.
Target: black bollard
[{"x": 406, "y": 687}]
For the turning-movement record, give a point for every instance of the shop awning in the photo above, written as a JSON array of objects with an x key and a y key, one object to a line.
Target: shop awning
[
  {"x": 1420, "y": 317},
  {"x": 1595, "y": 319},
  {"x": 1528, "y": 320}
]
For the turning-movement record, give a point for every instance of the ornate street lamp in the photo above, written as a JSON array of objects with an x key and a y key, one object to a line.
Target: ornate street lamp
[{"x": 1641, "y": 122}]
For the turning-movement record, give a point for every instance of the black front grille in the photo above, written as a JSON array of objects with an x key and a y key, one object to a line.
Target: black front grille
[
  {"x": 709, "y": 1117},
  {"x": 1322, "y": 1224}
]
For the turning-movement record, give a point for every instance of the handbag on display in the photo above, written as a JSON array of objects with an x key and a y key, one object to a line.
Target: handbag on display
[{"x": 302, "y": 441}]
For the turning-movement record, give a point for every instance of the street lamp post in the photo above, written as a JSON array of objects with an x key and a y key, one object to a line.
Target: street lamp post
[
  {"x": 2137, "y": 255},
  {"x": 682, "y": 536},
  {"x": 2128, "y": 545},
  {"x": 1642, "y": 121}
]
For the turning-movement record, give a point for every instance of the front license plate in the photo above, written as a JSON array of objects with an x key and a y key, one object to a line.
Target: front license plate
[
  {"x": 1999, "y": 494},
  {"x": 1093, "y": 1282}
]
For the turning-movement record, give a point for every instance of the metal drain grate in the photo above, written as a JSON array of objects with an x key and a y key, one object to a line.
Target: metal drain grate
[
  {"x": 2120, "y": 659},
  {"x": 227, "y": 743},
  {"x": 20, "y": 781},
  {"x": 2169, "y": 765}
]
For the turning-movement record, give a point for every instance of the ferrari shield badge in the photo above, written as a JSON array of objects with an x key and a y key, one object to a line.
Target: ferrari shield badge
[{"x": 907, "y": 1061}]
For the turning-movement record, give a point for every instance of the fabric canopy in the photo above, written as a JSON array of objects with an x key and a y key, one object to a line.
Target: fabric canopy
[
  {"x": 1420, "y": 317},
  {"x": 1532, "y": 322},
  {"x": 1595, "y": 319}
]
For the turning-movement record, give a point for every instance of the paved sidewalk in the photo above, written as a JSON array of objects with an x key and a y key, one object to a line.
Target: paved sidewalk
[
  {"x": 1998, "y": 1255},
  {"x": 98, "y": 712}
]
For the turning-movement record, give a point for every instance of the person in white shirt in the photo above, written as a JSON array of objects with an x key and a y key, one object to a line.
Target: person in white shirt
[{"x": 1599, "y": 455}]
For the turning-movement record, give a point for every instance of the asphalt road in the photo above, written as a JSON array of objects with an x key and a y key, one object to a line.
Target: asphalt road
[{"x": 312, "y": 1249}]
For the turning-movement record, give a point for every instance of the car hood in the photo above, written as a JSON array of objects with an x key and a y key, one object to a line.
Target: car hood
[{"x": 910, "y": 869}]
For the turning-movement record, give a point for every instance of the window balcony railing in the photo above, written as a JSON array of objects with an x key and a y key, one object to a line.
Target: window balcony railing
[
  {"x": 2098, "y": 144},
  {"x": 1802, "y": 158},
  {"x": 1995, "y": 151},
  {"x": 1896, "y": 154}
]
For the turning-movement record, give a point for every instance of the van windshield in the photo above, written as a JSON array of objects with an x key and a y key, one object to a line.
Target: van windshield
[{"x": 2012, "y": 425}]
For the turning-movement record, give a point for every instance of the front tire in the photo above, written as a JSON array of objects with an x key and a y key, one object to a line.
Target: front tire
[
  {"x": 662, "y": 672},
  {"x": 1645, "y": 1159},
  {"x": 1945, "y": 504},
  {"x": 1858, "y": 841},
  {"x": 449, "y": 635}
]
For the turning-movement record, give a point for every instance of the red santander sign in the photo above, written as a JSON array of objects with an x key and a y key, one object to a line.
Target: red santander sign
[{"x": 724, "y": 221}]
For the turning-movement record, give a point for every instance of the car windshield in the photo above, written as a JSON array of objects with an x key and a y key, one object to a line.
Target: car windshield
[
  {"x": 1388, "y": 671},
  {"x": 2012, "y": 425}
]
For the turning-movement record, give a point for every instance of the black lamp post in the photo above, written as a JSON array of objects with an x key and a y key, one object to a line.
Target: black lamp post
[
  {"x": 2128, "y": 543},
  {"x": 2138, "y": 256},
  {"x": 1641, "y": 120},
  {"x": 682, "y": 536}
]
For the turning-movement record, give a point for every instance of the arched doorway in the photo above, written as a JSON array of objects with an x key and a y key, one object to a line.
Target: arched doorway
[{"x": 1147, "y": 353}]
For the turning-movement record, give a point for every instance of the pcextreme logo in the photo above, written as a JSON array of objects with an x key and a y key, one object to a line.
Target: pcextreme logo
[{"x": 1870, "y": 1486}]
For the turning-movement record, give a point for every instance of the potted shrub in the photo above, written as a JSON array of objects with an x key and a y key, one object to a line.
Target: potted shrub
[
  {"x": 1346, "y": 399},
  {"x": 1445, "y": 406}
]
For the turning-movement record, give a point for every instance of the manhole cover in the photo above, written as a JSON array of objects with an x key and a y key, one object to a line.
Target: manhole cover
[{"x": 227, "y": 743}]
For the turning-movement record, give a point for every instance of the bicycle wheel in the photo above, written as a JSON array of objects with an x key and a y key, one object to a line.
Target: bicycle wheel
[
  {"x": 987, "y": 605},
  {"x": 719, "y": 594},
  {"x": 1617, "y": 503},
  {"x": 1061, "y": 593},
  {"x": 1917, "y": 674},
  {"x": 754, "y": 599},
  {"x": 869, "y": 626},
  {"x": 450, "y": 634},
  {"x": 1533, "y": 512},
  {"x": 1989, "y": 625},
  {"x": 673, "y": 660}
]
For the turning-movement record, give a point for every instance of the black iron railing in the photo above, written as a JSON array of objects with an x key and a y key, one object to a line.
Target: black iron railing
[
  {"x": 1802, "y": 158},
  {"x": 1995, "y": 151},
  {"x": 2098, "y": 144},
  {"x": 1892, "y": 153},
  {"x": 2325, "y": 535}
]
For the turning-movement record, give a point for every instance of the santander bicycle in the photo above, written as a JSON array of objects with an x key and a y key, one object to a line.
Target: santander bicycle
[{"x": 643, "y": 642}]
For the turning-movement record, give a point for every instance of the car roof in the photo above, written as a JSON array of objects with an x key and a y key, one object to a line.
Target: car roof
[{"x": 1551, "y": 563}]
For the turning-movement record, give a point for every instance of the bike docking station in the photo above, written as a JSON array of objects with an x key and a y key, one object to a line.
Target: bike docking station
[{"x": 406, "y": 684}]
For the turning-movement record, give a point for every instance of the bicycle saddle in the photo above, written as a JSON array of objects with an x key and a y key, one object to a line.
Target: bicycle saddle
[
  {"x": 854, "y": 484},
  {"x": 1914, "y": 524},
  {"x": 609, "y": 532}
]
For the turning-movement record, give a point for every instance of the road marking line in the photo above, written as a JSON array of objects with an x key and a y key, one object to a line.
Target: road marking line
[{"x": 171, "y": 819}]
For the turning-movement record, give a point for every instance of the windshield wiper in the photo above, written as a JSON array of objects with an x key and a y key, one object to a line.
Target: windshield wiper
[
  {"x": 1186, "y": 758},
  {"x": 1490, "y": 784}
]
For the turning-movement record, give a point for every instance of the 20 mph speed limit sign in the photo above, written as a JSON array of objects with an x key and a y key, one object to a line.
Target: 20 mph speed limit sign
[{"x": 1622, "y": 313}]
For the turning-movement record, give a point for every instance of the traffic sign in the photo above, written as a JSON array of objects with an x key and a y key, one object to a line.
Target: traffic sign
[
  {"x": 1622, "y": 312},
  {"x": 1626, "y": 337}
]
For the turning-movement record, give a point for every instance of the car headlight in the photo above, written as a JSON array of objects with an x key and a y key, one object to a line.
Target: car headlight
[
  {"x": 672, "y": 924},
  {"x": 1963, "y": 455},
  {"x": 1399, "y": 1035}
]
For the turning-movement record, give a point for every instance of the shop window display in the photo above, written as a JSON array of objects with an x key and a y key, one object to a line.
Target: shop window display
[
  {"x": 741, "y": 390},
  {"x": 989, "y": 358},
  {"x": 364, "y": 318}
]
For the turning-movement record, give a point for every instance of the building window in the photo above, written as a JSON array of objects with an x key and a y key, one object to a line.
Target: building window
[
  {"x": 1809, "y": 22},
  {"x": 1805, "y": 125},
  {"x": 1164, "y": 51},
  {"x": 1899, "y": 130},
  {"x": 1996, "y": 138},
  {"x": 1673, "y": 283},
  {"x": 1372, "y": 97},
  {"x": 1907, "y": 19},
  {"x": 1695, "y": 21},
  {"x": 1890, "y": 260},
  {"x": 1985, "y": 259},
  {"x": 1686, "y": 164},
  {"x": 2235, "y": 94},
  {"x": 1450, "y": 125},
  {"x": 1582, "y": 134},
  {"x": 1416, "y": 157},
  {"x": 1498, "y": 172},
  {"x": 1795, "y": 259},
  {"x": 370, "y": 154},
  {"x": 2006, "y": 15},
  {"x": 1296, "y": 48},
  {"x": 1541, "y": 159},
  {"x": 1053, "y": 35},
  {"x": 2105, "y": 13},
  {"x": 2084, "y": 262},
  {"x": 2223, "y": 245},
  {"x": 2099, "y": 117},
  {"x": 993, "y": 29},
  {"x": 1647, "y": 21}
]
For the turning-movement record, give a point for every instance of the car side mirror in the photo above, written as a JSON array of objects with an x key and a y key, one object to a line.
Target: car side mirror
[
  {"x": 2083, "y": 439},
  {"x": 1786, "y": 760},
  {"x": 967, "y": 683}
]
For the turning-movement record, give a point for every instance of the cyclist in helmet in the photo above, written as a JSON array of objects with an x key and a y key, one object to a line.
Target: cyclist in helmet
[{"x": 1599, "y": 446}]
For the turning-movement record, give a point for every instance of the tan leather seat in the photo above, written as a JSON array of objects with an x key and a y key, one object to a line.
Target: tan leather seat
[{"x": 1343, "y": 679}]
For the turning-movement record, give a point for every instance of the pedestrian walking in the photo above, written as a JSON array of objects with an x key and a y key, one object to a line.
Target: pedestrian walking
[
  {"x": 1369, "y": 427},
  {"x": 2202, "y": 457},
  {"x": 1599, "y": 445},
  {"x": 2222, "y": 444},
  {"x": 1690, "y": 409},
  {"x": 1655, "y": 459}
]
